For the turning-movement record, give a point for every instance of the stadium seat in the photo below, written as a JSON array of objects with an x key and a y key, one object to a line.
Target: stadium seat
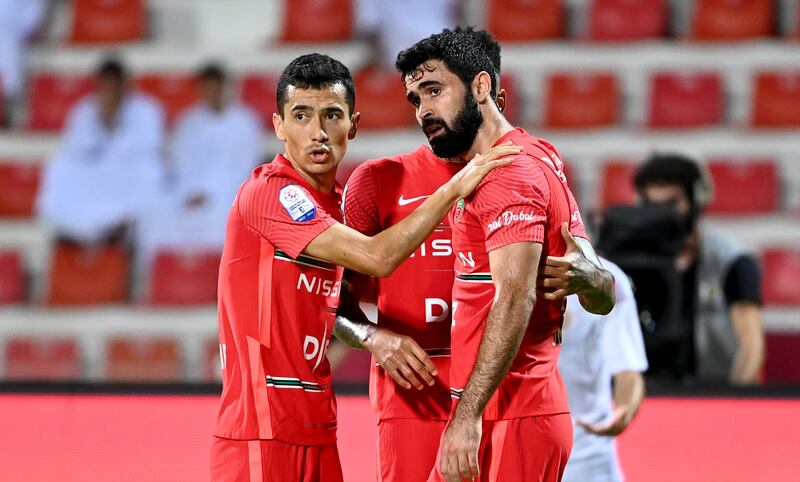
[
  {"x": 258, "y": 92},
  {"x": 726, "y": 20},
  {"x": 155, "y": 359},
  {"x": 781, "y": 285},
  {"x": 776, "y": 99},
  {"x": 685, "y": 100},
  {"x": 731, "y": 179},
  {"x": 184, "y": 279},
  {"x": 514, "y": 99},
  {"x": 41, "y": 358},
  {"x": 80, "y": 276},
  {"x": 526, "y": 20},
  {"x": 12, "y": 278},
  {"x": 617, "y": 186},
  {"x": 581, "y": 100},
  {"x": 175, "y": 92},
  {"x": 382, "y": 100},
  {"x": 107, "y": 21},
  {"x": 782, "y": 364},
  {"x": 51, "y": 96},
  {"x": 317, "y": 21},
  {"x": 626, "y": 20},
  {"x": 18, "y": 186}
]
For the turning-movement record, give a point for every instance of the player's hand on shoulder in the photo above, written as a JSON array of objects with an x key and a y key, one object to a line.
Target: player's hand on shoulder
[
  {"x": 468, "y": 178},
  {"x": 566, "y": 275},
  {"x": 402, "y": 359}
]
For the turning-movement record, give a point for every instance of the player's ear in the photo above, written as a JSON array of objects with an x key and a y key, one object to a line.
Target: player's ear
[
  {"x": 354, "y": 119},
  {"x": 482, "y": 87},
  {"x": 277, "y": 124},
  {"x": 501, "y": 100}
]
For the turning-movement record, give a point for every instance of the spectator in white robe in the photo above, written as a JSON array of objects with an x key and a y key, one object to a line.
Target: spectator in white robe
[
  {"x": 108, "y": 165},
  {"x": 217, "y": 144}
]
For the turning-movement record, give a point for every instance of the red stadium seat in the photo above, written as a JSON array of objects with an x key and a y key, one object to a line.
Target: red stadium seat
[
  {"x": 526, "y": 20},
  {"x": 760, "y": 179},
  {"x": 184, "y": 279},
  {"x": 81, "y": 276},
  {"x": 726, "y": 20},
  {"x": 12, "y": 278},
  {"x": 681, "y": 101},
  {"x": 258, "y": 92},
  {"x": 18, "y": 186},
  {"x": 107, "y": 21},
  {"x": 382, "y": 100},
  {"x": 36, "y": 358},
  {"x": 781, "y": 285},
  {"x": 782, "y": 364},
  {"x": 52, "y": 96},
  {"x": 317, "y": 21},
  {"x": 143, "y": 360},
  {"x": 617, "y": 187},
  {"x": 625, "y": 20},
  {"x": 580, "y": 100},
  {"x": 513, "y": 98},
  {"x": 175, "y": 92},
  {"x": 776, "y": 100}
]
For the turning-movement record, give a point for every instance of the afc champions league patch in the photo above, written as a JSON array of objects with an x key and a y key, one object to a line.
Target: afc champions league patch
[
  {"x": 459, "y": 210},
  {"x": 297, "y": 203}
]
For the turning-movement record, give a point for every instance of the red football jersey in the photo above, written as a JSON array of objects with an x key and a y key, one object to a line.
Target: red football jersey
[
  {"x": 415, "y": 299},
  {"x": 527, "y": 200},
  {"x": 276, "y": 311}
]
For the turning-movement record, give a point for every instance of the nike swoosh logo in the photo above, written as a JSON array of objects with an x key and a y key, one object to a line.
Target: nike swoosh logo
[{"x": 410, "y": 200}]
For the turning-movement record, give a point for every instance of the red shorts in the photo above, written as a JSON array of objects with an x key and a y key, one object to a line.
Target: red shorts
[
  {"x": 522, "y": 449},
  {"x": 272, "y": 460},
  {"x": 407, "y": 448}
]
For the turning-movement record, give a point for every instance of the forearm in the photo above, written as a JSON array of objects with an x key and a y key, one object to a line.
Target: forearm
[
  {"x": 629, "y": 392},
  {"x": 747, "y": 324},
  {"x": 598, "y": 296},
  {"x": 505, "y": 328}
]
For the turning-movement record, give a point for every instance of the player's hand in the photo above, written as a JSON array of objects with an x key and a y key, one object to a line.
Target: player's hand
[
  {"x": 402, "y": 358},
  {"x": 473, "y": 173},
  {"x": 612, "y": 427},
  {"x": 458, "y": 452},
  {"x": 568, "y": 274}
]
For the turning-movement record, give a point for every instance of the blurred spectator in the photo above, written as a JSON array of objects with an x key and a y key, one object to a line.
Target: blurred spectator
[
  {"x": 717, "y": 333},
  {"x": 217, "y": 143},
  {"x": 18, "y": 22},
  {"x": 108, "y": 165},
  {"x": 596, "y": 351},
  {"x": 391, "y": 26}
]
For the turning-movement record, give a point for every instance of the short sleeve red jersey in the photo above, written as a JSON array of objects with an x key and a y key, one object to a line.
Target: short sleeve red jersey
[
  {"x": 525, "y": 201},
  {"x": 415, "y": 299},
  {"x": 276, "y": 311}
]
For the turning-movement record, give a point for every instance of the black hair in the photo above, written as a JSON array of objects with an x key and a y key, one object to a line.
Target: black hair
[
  {"x": 212, "y": 71},
  {"x": 462, "y": 51},
  {"x": 675, "y": 169},
  {"x": 490, "y": 46},
  {"x": 315, "y": 71},
  {"x": 112, "y": 67}
]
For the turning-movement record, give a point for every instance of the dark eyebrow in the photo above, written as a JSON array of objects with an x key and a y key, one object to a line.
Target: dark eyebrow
[
  {"x": 301, "y": 107},
  {"x": 428, "y": 83},
  {"x": 328, "y": 110}
]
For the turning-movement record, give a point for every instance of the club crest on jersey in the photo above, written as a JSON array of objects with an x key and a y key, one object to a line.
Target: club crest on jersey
[
  {"x": 459, "y": 210},
  {"x": 297, "y": 204}
]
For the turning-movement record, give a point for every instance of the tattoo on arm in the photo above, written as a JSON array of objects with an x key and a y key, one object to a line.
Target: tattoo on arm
[{"x": 351, "y": 327}]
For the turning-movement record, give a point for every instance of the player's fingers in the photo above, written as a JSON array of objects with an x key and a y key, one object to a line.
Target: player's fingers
[
  {"x": 391, "y": 369},
  {"x": 555, "y": 272},
  {"x": 408, "y": 374},
  {"x": 556, "y": 295},
  {"x": 472, "y": 458},
  {"x": 558, "y": 261},
  {"x": 572, "y": 245},
  {"x": 555, "y": 283},
  {"x": 463, "y": 465},
  {"x": 425, "y": 359},
  {"x": 449, "y": 468},
  {"x": 420, "y": 369}
]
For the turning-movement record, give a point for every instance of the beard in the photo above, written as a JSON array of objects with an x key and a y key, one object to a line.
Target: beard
[{"x": 459, "y": 138}]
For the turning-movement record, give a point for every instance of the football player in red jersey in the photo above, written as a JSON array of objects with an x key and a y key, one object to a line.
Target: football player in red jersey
[
  {"x": 280, "y": 279},
  {"x": 510, "y": 420},
  {"x": 413, "y": 302}
]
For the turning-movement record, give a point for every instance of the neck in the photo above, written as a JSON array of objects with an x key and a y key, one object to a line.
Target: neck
[
  {"x": 493, "y": 128},
  {"x": 320, "y": 182}
]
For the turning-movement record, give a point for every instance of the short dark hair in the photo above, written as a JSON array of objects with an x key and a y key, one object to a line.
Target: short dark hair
[
  {"x": 490, "y": 45},
  {"x": 212, "y": 71},
  {"x": 671, "y": 168},
  {"x": 112, "y": 67},
  {"x": 461, "y": 50},
  {"x": 315, "y": 71}
]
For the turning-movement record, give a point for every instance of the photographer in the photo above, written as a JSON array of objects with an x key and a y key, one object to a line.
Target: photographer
[{"x": 700, "y": 289}]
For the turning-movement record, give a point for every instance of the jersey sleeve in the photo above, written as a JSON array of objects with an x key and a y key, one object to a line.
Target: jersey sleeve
[
  {"x": 360, "y": 201},
  {"x": 511, "y": 206},
  {"x": 282, "y": 212},
  {"x": 623, "y": 344}
]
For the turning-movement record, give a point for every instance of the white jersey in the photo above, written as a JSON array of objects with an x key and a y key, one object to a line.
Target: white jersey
[{"x": 594, "y": 349}]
